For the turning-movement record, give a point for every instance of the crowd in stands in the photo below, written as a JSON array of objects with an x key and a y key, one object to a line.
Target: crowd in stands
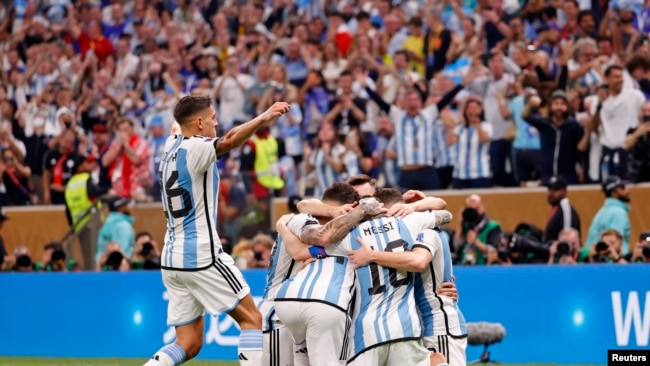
[{"x": 418, "y": 94}]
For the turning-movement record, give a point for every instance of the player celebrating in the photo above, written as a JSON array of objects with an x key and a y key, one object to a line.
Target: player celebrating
[
  {"x": 382, "y": 294},
  {"x": 198, "y": 275},
  {"x": 444, "y": 325},
  {"x": 278, "y": 343}
]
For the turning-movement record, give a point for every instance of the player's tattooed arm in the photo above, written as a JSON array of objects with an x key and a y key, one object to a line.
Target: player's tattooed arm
[
  {"x": 338, "y": 228},
  {"x": 443, "y": 217},
  {"x": 315, "y": 207}
]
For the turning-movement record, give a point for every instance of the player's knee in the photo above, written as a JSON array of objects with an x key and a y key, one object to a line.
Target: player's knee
[{"x": 192, "y": 347}]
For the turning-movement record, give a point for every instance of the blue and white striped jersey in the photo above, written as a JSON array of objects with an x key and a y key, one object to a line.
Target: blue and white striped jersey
[
  {"x": 281, "y": 267},
  {"x": 325, "y": 174},
  {"x": 329, "y": 280},
  {"x": 385, "y": 309},
  {"x": 445, "y": 154},
  {"x": 190, "y": 187},
  {"x": 472, "y": 157},
  {"x": 440, "y": 314},
  {"x": 414, "y": 136}
]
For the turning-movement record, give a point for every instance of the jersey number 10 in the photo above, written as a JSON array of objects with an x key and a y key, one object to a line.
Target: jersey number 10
[{"x": 379, "y": 288}]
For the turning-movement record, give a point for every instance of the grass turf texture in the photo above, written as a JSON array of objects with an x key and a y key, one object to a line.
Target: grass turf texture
[{"x": 11, "y": 361}]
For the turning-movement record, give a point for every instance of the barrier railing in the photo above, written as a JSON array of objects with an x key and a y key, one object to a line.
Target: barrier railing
[{"x": 552, "y": 314}]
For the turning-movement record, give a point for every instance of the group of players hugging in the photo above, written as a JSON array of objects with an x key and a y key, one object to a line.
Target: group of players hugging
[{"x": 362, "y": 277}]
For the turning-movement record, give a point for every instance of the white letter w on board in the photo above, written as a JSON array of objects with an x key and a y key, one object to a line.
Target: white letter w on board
[{"x": 633, "y": 315}]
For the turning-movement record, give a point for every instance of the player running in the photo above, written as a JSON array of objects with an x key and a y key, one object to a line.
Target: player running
[
  {"x": 198, "y": 275},
  {"x": 444, "y": 325}
]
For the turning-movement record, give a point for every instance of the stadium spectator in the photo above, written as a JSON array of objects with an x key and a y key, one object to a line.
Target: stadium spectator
[
  {"x": 118, "y": 228},
  {"x": 476, "y": 233},
  {"x": 614, "y": 213},
  {"x": 563, "y": 215},
  {"x": 561, "y": 137},
  {"x": 470, "y": 139},
  {"x": 243, "y": 255},
  {"x": 641, "y": 252},
  {"x": 231, "y": 205},
  {"x": 58, "y": 167},
  {"x": 131, "y": 155},
  {"x": 615, "y": 116},
  {"x": 15, "y": 180},
  {"x": 637, "y": 144}
]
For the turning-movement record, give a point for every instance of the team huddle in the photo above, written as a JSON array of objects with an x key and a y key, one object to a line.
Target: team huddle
[{"x": 360, "y": 277}]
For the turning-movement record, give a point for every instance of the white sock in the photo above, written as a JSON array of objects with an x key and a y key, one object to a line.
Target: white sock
[
  {"x": 170, "y": 355},
  {"x": 250, "y": 347}
]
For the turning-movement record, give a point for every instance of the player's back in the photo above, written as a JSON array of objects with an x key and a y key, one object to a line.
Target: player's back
[
  {"x": 190, "y": 187},
  {"x": 440, "y": 314},
  {"x": 281, "y": 267},
  {"x": 385, "y": 308},
  {"x": 328, "y": 280}
]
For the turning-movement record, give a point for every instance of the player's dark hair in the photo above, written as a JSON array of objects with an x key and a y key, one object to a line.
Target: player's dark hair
[
  {"x": 388, "y": 196},
  {"x": 190, "y": 106},
  {"x": 359, "y": 179},
  {"x": 609, "y": 70},
  {"x": 342, "y": 193}
]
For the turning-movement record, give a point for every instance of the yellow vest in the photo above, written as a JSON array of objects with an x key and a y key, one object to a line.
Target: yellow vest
[
  {"x": 76, "y": 198},
  {"x": 266, "y": 162}
]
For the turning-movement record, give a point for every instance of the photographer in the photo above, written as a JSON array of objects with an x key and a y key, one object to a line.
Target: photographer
[
  {"x": 566, "y": 248},
  {"x": 641, "y": 252},
  {"x": 518, "y": 248},
  {"x": 607, "y": 250},
  {"x": 477, "y": 233},
  {"x": 146, "y": 254}
]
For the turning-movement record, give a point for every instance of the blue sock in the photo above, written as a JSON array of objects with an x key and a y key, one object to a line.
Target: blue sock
[
  {"x": 251, "y": 339},
  {"x": 175, "y": 352}
]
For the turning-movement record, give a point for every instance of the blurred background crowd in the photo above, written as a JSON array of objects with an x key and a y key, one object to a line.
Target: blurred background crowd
[{"x": 417, "y": 94}]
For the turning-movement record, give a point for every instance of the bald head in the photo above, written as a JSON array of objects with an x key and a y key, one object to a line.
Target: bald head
[{"x": 474, "y": 201}]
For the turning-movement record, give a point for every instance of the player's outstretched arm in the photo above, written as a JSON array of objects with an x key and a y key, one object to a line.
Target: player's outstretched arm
[
  {"x": 338, "y": 228},
  {"x": 238, "y": 135},
  {"x": 425, "y": 204},
  {"x": 416, "y": 260},
  {"x": 298, "y": 250},
  {"x": 316, "y": 207}
]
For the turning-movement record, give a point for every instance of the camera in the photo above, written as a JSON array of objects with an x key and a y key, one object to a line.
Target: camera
[
  {"x": 521, "y": 249},
  {"x": 602, "y": 252},
  {"x": 563, "y": 248},
  {"x": 471, "y": 219},
  {"x": 646, "y": 252},
  {"x": 147, "y": 248}
]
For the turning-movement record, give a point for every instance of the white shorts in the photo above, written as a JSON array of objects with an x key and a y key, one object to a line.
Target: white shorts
[
  {"x": 217, "y": 289},
  {"x": 322, "y": 327},
  {"x": 400, "y": 353},
  {"x": 278, "y": 347},
  {"x": 453, "y": 348}
]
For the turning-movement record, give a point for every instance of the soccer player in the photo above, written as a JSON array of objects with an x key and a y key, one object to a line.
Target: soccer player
[
  {"x": 415, "y": 201},
  {"x": 198, "y": 275},
  {"x": 278, "y": 343},
  {"x": 444, "y": 325},
  {"x": 314, "y": 303},
  {"x": 383, "y": 293}
]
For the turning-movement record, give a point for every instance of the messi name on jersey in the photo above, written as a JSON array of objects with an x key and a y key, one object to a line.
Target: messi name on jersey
[{"x": 376, "y": 230}]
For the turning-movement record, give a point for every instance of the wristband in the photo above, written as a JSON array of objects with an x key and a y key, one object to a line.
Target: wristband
[{"x": 317, "y": 252}]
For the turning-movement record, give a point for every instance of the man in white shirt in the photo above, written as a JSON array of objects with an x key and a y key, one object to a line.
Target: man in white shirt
[
  {"x": 615, "y": 115},
  {"x": 230, "y": 89}
]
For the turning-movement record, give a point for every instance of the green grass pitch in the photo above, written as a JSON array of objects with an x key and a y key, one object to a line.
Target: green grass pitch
[{"x": 11, "y": 361}]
